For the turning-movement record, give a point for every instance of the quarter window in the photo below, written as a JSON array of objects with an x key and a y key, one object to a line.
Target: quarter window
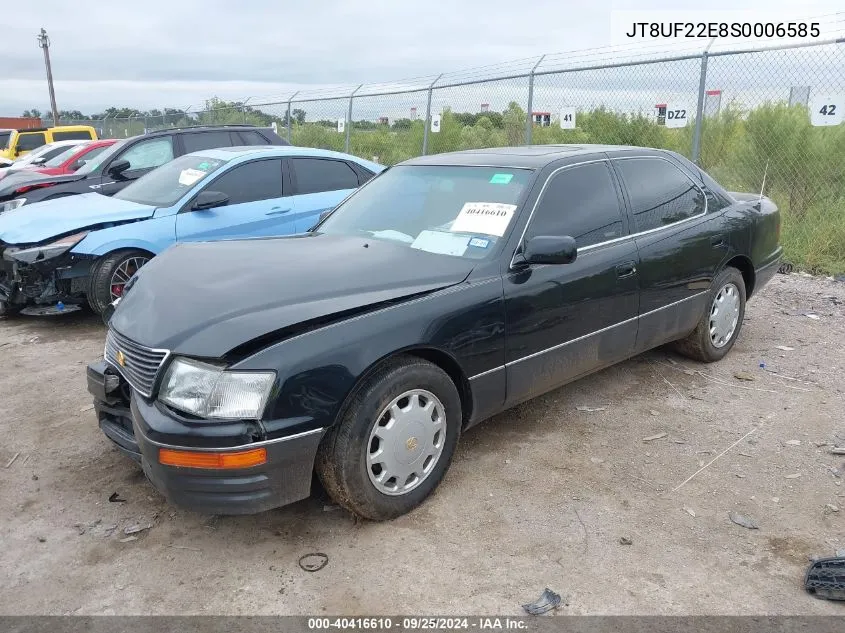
[
  {"x": 259, "y": 180},
  {"x": 75, "y": 135},
  {"x": 660, "y": 193},
  {"x": 580, "y": 202},
  {"x": 149, "y": 154},
  {"x": 314, "y": 175}
]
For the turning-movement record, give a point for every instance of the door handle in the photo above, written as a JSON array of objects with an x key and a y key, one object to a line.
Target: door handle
[
  {"x": 277, "y": 211},
  {"x": 628, "y": 269},
  {"x": 717, "y": 241}
]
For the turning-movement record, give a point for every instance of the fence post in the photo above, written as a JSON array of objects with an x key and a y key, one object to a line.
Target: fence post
[
  {"x": 290, "y": 99},
  {"x": 428, "y": 115},
  {"x": 529, "y": 117},
  {"x": 699, "y": 111},
  {"x": 349, "y": 118}
]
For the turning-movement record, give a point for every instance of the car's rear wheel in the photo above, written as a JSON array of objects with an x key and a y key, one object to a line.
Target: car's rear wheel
[
  {"x": 394, "y": 441},
  {"x": 719, "y": 327},
  {"x": 110, "y": 275}
]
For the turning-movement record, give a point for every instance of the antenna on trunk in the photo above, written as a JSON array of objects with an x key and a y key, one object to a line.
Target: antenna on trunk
[{"x": 765, "y": 171}]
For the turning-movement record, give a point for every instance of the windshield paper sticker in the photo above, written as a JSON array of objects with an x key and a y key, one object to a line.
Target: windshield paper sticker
[
  {"x": 479, "y": 243},
  {"x": 487, "y": 218},
  {"x": 442, "y": 243},
  {"x": 501, "y": 179},
  {"x": 190, "y": 176}
]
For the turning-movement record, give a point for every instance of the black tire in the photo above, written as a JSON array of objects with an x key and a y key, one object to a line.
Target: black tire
[
  {"x": 100, "y": 282},
  {"x": 341, "y": 459},
  {"x": 9, "y": 311},
  {"x": 699, "y": 345}
]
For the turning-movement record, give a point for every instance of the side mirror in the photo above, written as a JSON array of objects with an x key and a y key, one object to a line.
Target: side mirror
[
  {"x": 548, "y": 249},
  {"x": 209, "y": 200},
  {"x": 39, "y": 161},
  {"x": 76, "y": 165},
  {"x": 118, "y": 167}
]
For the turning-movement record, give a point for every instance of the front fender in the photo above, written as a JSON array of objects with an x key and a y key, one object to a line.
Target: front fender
[
  {"x": 318, "y": 369},
  {"x": 153, "y": 235}
]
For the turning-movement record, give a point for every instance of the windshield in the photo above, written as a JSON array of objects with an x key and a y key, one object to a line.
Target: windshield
[
  {"x": 5, "y": 135},
  {"x": 164, "y": 185},
  {"x": 451, "y": 210},
  {"x": 91, "y": 165},
  {"x": 58, "y": 159}
]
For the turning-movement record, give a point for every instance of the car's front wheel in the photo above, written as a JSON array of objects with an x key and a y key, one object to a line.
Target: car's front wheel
[
  {"x": 394, "y": 442},
  {"x": 110, "y": 274},
  {"x": 721, "y": 322}
]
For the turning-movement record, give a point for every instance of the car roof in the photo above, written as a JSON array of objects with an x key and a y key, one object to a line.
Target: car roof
[
  {"x": 524, "y": 156},
  {"x": 276, "y": 151}
]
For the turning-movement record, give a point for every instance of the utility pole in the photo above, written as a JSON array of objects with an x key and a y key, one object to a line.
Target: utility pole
[{"x": 44, "y": 44}]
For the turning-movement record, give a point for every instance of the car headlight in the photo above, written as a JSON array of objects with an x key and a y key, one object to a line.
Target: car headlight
[
  {"x": 210, "y": 391},
  {"x": 53, "y": 249},
  {"x": 10, "y": 205}
]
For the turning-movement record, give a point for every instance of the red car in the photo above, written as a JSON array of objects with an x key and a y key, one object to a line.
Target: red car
[{"x": 71, "y": 160}]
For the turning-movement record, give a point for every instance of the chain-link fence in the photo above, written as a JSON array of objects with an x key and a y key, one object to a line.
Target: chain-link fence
[{"x": 745, "y": 116}]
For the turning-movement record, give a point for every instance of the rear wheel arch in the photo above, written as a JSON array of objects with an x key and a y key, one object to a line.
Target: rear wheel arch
[{"x": 743, "y": 264}]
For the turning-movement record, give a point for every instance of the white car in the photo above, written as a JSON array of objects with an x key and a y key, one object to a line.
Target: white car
[{"x": 39, "y": 155}]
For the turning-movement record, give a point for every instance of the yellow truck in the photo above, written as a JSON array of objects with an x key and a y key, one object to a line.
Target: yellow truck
[{"x": 22, "y": 142}]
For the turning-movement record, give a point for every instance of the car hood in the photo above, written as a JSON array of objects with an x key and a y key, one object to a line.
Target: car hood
[
  {"x": 17, "y": 178},
  {"x": 31, "y": 224},
  {"x": 205, "y": 299}
]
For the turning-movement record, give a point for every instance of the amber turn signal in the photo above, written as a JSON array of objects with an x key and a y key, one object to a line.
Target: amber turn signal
[{"x": 215, "y": 461}]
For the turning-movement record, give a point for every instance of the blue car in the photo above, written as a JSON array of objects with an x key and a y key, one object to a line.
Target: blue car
[{"x": 59, "y": 254}]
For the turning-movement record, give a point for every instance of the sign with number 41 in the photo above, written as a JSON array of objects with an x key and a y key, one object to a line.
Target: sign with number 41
[{"x": 827, "y": 110}]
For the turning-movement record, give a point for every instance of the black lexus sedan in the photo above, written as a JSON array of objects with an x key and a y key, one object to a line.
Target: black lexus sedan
[{"x": 445, "y": 290}]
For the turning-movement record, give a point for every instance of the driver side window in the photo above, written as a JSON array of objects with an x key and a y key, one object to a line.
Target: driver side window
[
  {"x": 149, "y": 154},
  {"x": 580, "y": 202}
]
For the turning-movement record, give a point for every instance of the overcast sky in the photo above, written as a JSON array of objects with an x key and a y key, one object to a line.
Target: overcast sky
[{"x": 157, "y": 53}]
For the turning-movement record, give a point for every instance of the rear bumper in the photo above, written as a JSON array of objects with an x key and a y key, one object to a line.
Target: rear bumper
[
  {"x": 764, "y": 273},
  {"x": 141, "y": 430}
]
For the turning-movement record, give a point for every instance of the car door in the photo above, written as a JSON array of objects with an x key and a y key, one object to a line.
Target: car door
[
  {"x": 143, "y": 157},
  {"x": 319, "y": 184},
  {"x": 564, "y": 321},
  {"x": 256, "y": 205},
  {"x": 680, "y": 246}
]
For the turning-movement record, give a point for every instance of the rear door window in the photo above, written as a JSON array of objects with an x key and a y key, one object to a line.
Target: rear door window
[
  {"x": 197, "y": 141},
  {"x": 659, "y": 192},
  {"x": 30, "y": 140},
  {"x": 251, "y": 137},
  {"x": 314, "y": 175},
  {"x": 581, "y": 202},
  {"x": 250, "y": 182}
]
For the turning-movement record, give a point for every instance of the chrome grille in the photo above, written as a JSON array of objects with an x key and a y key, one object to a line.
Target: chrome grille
[{"x": 140, "y": 364}]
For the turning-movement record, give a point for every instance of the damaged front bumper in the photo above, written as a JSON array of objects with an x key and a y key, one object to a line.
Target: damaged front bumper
[
  {"x": 141, "y": 430},
  {"x": 26, "y": 279}
]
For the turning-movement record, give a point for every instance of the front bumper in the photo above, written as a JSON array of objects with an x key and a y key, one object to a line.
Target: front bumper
[
  {"x": 140, "y": 429},
  {"x": 43, "y": 282}
]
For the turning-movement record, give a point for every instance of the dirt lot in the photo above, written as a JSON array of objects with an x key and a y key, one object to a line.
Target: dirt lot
[{"x": 539, "y": 496}]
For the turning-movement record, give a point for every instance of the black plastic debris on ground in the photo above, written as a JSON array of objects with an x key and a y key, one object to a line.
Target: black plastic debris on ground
[
  {"x": 116, "y": 498},
  {"x": 826, "y": 578},
  {"x": 545, "y": 603}
]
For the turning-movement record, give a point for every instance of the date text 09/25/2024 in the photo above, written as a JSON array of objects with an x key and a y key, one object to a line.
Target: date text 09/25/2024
[{"x": 418, "y": 623}]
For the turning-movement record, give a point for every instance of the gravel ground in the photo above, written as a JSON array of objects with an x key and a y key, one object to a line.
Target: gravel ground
[{"x": 538, "y": 496}]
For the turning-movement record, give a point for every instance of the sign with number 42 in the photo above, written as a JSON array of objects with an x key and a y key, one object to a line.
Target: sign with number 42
[{"x": 827, "y": 110}]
